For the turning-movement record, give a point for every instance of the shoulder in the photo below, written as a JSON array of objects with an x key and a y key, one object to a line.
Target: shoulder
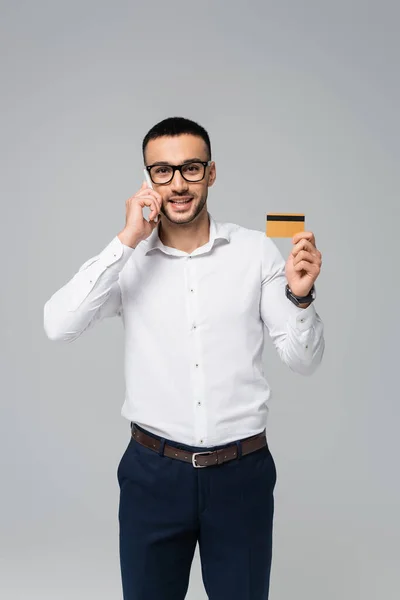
[
  {"x": 246, "y": 237},
  {"x": 254, "y": 247}
]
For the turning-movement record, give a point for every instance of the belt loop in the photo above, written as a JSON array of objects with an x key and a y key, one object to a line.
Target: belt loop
[
  {"x": 162, "y": 444},
  {"x": 239, "y": 449}
]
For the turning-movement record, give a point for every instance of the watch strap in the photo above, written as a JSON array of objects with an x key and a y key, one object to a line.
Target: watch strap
[{"x": 300, "y": 299}]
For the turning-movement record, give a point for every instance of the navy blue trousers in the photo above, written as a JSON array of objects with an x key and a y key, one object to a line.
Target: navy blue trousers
[{"x": 167, "y": 506}]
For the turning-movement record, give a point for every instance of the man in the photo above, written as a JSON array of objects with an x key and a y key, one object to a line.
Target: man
[{"x": 194, "y": 296}]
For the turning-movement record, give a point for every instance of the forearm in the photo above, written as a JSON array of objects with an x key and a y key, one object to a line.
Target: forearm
[
  {"x": 302, "y": 345},
  {"x": 296, "y": 331},
  {"x": 94, "y": 288}
]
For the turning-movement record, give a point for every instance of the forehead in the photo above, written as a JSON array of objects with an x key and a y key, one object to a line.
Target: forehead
[{"x": 175, "y": 149}]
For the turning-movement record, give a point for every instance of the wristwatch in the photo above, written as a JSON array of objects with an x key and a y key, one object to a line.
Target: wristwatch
[{"x": 300, "y": 299}]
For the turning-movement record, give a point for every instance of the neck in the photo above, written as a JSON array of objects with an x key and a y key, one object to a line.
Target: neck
[{"x": 186, "y": 236}]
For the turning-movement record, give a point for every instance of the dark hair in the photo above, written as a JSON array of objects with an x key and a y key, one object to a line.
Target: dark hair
[{"x": 177, "y": 126}]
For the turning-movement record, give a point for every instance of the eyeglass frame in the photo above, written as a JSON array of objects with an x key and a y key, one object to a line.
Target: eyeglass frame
[{"x": 205, "y": 163}]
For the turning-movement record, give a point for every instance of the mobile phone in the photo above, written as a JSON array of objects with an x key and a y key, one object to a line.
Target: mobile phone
[
  {"x": 150, "y": 184},
  {"x": 147, "y": 177}
]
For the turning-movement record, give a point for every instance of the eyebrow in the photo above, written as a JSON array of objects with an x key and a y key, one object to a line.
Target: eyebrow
[{"x": 188, "y": 160}]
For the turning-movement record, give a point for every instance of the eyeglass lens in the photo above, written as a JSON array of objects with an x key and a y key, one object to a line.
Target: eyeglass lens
[{"x": 190, "y": 171}]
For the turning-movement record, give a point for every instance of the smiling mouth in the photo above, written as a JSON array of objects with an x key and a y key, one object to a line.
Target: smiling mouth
[{"x": 181, "y": 201}]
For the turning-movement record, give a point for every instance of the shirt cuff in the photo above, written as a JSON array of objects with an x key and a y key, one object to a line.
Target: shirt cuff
[
  {"x": 303, "y": 318},
  {"x": 114, "y": 251}
]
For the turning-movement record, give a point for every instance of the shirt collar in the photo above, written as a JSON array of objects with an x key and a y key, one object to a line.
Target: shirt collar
[{"x": 218, "y": 231}]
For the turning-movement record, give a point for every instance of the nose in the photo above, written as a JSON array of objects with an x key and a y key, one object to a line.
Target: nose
[{"x": 178, "y": 184}]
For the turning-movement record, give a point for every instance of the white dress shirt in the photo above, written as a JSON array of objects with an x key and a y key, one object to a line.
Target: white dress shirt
[{"x": 194, "y": 329}]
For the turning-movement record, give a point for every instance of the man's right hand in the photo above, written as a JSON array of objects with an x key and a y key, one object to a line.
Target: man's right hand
[{"x": 137, "y": 228}]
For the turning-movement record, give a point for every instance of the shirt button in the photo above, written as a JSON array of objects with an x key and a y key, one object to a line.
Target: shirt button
[
  {"x": 199, "y": 404},
  {"x": 192, "y": 290},
  {"x": 306, "y": 346},
  {"x": 194, "y": 326},
  {"x": 301, "y": 320},
  {"x": 201, "y": 441},
  {"x": 197, "y": 365}
]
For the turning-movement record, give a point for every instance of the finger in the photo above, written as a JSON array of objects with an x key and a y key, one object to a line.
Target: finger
[
  {"x": 156, "y": 211},
  {"x": 314, "y": 256},
  {"x": 153, "y": 224},
  {"x": 148, "y": 191},
  {"x": 148, "y": 201},
  {"x": 147, "y": 197},
  {"x": 304, "y": 244},
  {"x": 154, "y": 205},
  {"x": 308, "y": 235},
  {"x": 156, "y": 199},
  {"x": 304, "y": 255},
  {"x": 310, "y": 268}
]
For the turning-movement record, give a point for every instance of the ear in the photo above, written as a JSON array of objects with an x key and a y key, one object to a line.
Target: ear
[{"x": 212, "y": 174}]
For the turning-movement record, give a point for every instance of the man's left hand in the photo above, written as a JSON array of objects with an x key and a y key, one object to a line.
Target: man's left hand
[{"x": 304, "y": 263}]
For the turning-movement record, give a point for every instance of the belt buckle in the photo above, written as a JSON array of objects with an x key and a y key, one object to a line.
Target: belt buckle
[{"x": 194, "y": 459}]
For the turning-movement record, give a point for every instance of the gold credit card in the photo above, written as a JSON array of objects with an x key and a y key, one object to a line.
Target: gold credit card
[{"x": 284, "y": 224}]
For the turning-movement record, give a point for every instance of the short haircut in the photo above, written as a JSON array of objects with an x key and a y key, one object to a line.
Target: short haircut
[{"x": 174, "y": 126}]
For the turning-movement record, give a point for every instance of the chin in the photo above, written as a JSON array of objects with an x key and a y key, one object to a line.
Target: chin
[
  {"x": 185, "y": 217},
  {"x": 181, "y": 219}
]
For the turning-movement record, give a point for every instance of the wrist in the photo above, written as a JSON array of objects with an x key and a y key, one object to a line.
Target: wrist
[
  {"x": 128, "y": 238},
  {"x": 300, "y": 301}
]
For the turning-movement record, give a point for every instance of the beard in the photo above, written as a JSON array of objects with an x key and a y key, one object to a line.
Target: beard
[{"x": 196, "y": 207}]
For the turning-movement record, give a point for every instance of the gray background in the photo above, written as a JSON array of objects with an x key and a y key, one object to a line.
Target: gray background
[{"x": 301, "y": 102}]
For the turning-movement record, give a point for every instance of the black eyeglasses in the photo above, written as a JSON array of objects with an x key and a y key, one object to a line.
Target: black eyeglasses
[{"x": 192, "y": 171}]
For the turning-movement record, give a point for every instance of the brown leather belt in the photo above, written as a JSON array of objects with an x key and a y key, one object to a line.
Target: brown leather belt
[{"x": 202, "y": 459}]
